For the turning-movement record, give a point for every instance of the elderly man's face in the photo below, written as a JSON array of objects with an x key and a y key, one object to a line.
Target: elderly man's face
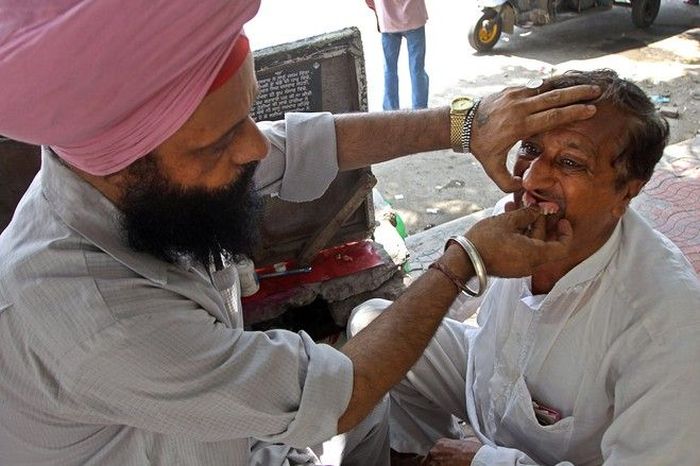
[{"x": 569, "y": 172}]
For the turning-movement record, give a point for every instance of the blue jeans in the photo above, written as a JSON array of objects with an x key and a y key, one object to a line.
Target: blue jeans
[{"x": 391, "y": 43}]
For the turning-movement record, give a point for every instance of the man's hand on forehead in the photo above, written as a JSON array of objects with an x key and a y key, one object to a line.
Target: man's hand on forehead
[{"x": 513, "y": 114}]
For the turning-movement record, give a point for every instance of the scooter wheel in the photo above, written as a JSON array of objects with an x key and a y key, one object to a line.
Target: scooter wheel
[{"x": 484, "y": 34}]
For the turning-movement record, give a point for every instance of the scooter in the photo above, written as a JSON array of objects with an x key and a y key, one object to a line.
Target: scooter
[{"x": 500, "y": 16}]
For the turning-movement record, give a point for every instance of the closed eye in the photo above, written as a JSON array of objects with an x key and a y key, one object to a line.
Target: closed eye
[{"x": 570, "y": 163}]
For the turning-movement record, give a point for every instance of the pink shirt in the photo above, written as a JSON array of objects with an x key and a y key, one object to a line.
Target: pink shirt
[{"x": 400, "y": 15}]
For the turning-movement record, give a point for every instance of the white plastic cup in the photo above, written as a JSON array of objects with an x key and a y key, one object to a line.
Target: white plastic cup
[{"x": 247, "y": 276}]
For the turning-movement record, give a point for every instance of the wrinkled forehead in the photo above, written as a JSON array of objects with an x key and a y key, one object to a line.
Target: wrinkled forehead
[{"x": 606, "y": 133}]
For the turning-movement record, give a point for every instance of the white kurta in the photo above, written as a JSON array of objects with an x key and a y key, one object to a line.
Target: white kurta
[{"x": 614, "y": 347}]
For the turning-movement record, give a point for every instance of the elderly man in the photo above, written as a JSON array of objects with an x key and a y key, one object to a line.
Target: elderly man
[
  {"x": 121, "y": 337},
  {"x": 592, "y": 359}
]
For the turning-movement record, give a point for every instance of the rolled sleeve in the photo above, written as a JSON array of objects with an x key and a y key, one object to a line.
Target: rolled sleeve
[
  {"x": 303, "y": 159},
  {"x": 325, "y": 396}
]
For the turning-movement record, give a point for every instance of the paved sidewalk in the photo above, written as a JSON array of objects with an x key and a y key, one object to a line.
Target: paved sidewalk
[{"x": 671, "y": 199}]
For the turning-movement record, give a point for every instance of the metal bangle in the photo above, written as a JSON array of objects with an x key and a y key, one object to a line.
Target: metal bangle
[{"x": 476, "y": 260}]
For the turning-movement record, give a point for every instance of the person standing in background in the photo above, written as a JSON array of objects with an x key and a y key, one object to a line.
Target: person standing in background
[{"x": 397, "y": 19}]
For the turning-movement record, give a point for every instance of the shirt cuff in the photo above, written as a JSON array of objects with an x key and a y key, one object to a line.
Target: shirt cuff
[
  {"x": 326, "y": 393},
  {"x": 500, "y": 456},
  {"x": 311, "y": 156}
]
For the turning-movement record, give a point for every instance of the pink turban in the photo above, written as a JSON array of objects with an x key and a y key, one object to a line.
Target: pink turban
[{"x": 104, "y": 82}]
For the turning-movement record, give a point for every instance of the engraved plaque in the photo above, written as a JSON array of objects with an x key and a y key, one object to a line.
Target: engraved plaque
[{"x": 321, "y": 73}]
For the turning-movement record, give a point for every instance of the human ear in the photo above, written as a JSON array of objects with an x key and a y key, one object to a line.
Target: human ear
[
  {"x": 633, "y": 188},
  {"x": 628, "y": 192}
]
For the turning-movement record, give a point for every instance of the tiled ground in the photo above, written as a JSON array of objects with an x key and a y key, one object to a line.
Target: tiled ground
[{"x": 671, "y": 199}]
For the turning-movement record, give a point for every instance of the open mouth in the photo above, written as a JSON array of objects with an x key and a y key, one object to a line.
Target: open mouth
[{"x": 546, "y": 207}]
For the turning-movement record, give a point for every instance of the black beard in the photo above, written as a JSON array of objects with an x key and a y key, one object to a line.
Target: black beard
[{"x": 172, "y": 222}]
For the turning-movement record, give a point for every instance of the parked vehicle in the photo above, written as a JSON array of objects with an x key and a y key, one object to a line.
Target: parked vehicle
[{"x": 500, "y": 16}]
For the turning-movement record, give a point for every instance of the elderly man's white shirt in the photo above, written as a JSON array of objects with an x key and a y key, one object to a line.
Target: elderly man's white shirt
[{"x": 614, "y": 347}]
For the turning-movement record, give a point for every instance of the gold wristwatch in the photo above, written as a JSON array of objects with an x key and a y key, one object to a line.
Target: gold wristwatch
[{"x": 459, "y": 109}]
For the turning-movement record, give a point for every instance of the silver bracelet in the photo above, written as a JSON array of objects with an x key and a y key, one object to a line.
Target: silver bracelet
[
  {"x": 467, "y": 129},
  {"x": 477, "y": 263}
]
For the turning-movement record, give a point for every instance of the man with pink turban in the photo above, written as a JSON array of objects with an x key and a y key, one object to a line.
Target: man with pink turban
[{"x": 121, "y": 337}]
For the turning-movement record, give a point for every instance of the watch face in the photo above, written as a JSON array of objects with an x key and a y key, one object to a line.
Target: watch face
[{"x": 462, "y": 104}]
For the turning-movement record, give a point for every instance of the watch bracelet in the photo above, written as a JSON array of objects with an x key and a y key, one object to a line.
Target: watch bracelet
[
  {"x": 467, "y": 128},
  {"x": 456, "y": 129}
]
